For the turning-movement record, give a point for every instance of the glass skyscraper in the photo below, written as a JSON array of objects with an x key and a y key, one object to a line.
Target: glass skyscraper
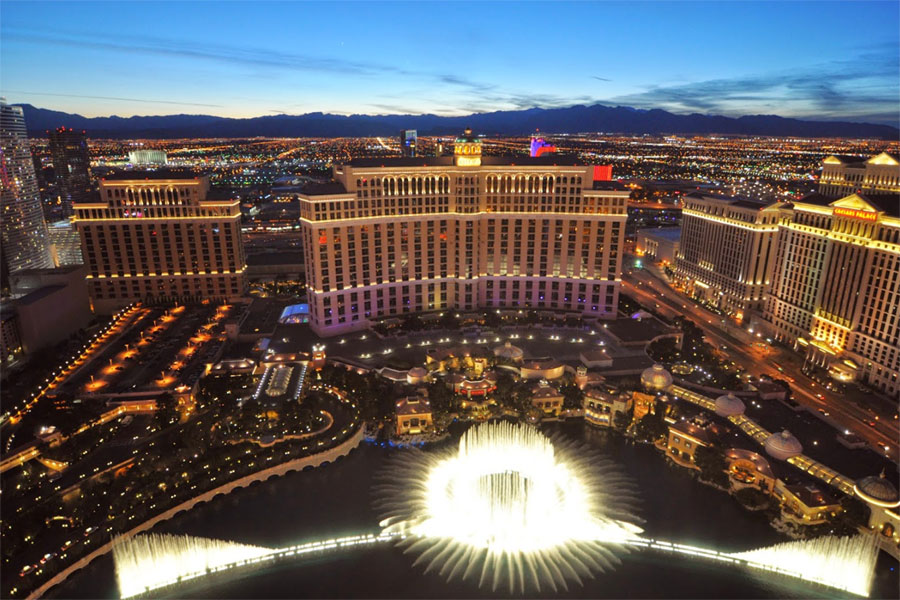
[
  {"x": 71, "y": 165},
  {"x": 23, "y": 233}
]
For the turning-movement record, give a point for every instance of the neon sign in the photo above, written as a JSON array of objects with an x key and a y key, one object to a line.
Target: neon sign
[{"x": 865, "y": 215}]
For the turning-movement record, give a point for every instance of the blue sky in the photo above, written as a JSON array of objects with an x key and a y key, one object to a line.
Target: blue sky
[{"x": 824, "y": 60}]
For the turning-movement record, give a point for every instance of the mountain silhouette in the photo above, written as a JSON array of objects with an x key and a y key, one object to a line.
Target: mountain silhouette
[{"x": 572, "y": 119}]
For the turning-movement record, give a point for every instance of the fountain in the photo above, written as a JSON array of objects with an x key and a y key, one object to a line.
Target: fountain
[
  {"x": 509, "y": 509},
  {"x": 153, "y": 560},
  {"x": 846, "y": 563}
]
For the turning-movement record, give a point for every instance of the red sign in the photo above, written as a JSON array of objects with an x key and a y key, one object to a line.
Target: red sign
[
  {"x": 865, "y": 215},
  {"x": 602, "y": 172}
]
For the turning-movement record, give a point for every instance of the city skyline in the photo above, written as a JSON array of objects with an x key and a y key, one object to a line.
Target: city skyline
[{"x": 790, "y": 59}]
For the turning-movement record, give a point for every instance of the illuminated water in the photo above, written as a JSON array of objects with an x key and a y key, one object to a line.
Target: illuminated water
[
  {"x": 338, "y": 500},
  {"x": 506, "y": 509}
]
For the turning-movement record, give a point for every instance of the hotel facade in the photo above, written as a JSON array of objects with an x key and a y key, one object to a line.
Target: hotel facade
[
  {"x": 835, "y": 292},
  {"x": 395, "y": 236},
  {"x": 159, "y": 236},
  {"x": 842, "y": 175},
  {"x": 726, "y": 252}
]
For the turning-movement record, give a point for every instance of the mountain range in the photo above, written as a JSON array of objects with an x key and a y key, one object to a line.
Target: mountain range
[{"x": 572, "y": 119}]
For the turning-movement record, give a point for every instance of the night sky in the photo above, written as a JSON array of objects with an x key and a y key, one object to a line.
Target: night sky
[{"x": 822, "y": 60}]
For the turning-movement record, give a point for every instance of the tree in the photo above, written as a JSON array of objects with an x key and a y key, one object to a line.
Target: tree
[
  {"x": 752, "y": 498},
  {"x": 572, "y": 395},
  {"x": 621, "y": 420},
  {"x": 651, "y": 427},
  {"x": 712, "y": 464}
]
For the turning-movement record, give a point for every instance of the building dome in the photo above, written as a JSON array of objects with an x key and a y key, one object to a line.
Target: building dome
[
  {"x": 783, "y": 445},
  {"x": 416, "y": 375},
  {"x": 509, "y": 352},
  {"x": 877, "y": 490},
  {"x": 656, "y": 378},
  {"x": 728, "y": 405}
]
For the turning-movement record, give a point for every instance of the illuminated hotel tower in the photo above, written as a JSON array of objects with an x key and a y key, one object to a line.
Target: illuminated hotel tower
[
  {"x": 395, "y": 236},
  {"x": 23, "y": 233},
  {"x": 842, "y": 175},
  {"x": 726, "y": 251},
  {"x": 160, "y": 236},
  {"x": 836, "y": 286}
]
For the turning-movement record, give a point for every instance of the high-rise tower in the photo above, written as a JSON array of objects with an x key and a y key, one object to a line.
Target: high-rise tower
[
  {"x": 23, "y": 233},
  {"x": 71, "y": 165}
]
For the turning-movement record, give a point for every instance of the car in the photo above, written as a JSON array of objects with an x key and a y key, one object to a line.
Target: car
[
  {"x": 89, "y": 531},
  {"x": 47, "y": 557},
  {"x": 25, "y": 570},
  {"x": 824, "y": 412},
  {"x": 870, "y": 423},
  {"x": 67, "y": 545}
]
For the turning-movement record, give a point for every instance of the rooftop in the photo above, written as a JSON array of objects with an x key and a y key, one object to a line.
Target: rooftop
[
  {"x": 413, "y": 405},
  {"x": 323, "y": 189},
  {"x": 39, "y": 294},
  {"x": 672, "y": 234},
  {"x": 811, "y": 495},
  {"x": 565, "y": 160}
]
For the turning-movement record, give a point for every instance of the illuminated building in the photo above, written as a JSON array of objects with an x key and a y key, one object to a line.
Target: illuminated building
[
  {"x": 806, "y": 504},
  {"x": 71, "y": 167},
  {"x": 148, "y": 157},
  {"x": 884, "y": 507},
  {"x": 684, "y": 439},
  {"x": 547, "y": 399},
  {"x": 413, "y": 415},
  {"x": 834, "y": 292},
  {"x": 600, "y": 406},
  {"x": 659, "y": 244},
  {"x": 396, "y": 236},
  {"x": 726, "y": 251},
  {"x": 159, "y": 236},
  {"x": 65, "y": 242},
  {"x": 842, "y": 176},
  {"x": 23, "y": 232},
  {"x": 539, "y": 146},
  {"x": 408, "y": 142}
]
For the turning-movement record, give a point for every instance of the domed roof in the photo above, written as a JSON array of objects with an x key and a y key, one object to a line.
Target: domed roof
[
  {"x": 728, "y": 405},
  {"x": 877, "y": 488},
  {"x": 508, "y": 351},
  {"x": 656, "y": 378},
  {"x": 783, "y": 445},
  {"x": 417, "y": 372}
]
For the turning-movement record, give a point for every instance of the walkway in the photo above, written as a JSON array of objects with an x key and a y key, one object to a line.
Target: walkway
[{"x": 760, "y": 434}]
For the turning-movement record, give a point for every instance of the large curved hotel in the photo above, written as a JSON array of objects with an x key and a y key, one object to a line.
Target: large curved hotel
[{"x": 400, "y": 235}]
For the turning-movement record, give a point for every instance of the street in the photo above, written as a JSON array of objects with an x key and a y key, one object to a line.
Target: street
[{"x": 758, "y": 360}]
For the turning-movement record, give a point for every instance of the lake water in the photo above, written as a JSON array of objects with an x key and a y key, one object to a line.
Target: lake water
[{"x": 337, "y": 500}]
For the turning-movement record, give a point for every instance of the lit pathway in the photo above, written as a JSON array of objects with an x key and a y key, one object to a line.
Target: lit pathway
[{"x": 759, "y": 434}]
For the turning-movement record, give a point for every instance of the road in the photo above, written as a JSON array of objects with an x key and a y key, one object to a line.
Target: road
[{"x": 758, "y": 358}]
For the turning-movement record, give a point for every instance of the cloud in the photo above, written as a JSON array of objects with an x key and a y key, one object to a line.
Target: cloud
[
  {"x": 864, "y": 86},
  {"x": 246, "y": 56},
  {"x": 143, "y": 100},
  {"x": 486, "y": 95}
]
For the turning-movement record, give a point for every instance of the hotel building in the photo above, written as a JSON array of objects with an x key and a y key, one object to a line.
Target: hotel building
[
  {"x": 726, "y": 251},
  {"x": 842, "y": 175},
  {"x": 160, "y": 236},
  {"x": 396, "y": 236},
  {"x": 23, "y": 233},
  {"x": 835, "y": 290}
]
